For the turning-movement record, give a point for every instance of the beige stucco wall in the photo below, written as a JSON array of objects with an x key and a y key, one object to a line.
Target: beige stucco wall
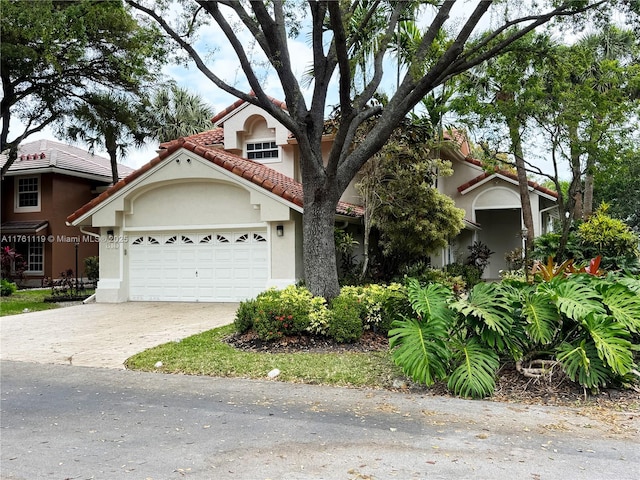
[{"x": 194, "y": 202}]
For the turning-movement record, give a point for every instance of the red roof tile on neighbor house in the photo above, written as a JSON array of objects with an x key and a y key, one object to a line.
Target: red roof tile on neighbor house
[
  {"x": 56, "y": 156},
  {"x": 261, "y": 175},
  {"x": 504, "y": 173}
]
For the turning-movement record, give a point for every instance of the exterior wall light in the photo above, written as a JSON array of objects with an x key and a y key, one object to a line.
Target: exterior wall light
[{"x": 280, "y": 230}]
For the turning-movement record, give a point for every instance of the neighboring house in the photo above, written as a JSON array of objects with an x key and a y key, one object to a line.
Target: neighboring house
[
  {"x": 217, "y": 216},
  {"x": 491, "y": 201},
  {"x": 47, "y": 181}
]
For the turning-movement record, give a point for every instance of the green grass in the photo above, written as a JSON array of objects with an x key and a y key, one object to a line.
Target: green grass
[
  {"x": 208, "y": 354},
  {"x": 33, "y": 300}
]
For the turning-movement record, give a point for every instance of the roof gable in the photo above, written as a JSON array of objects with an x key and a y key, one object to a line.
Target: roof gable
[
  {"x": 505, "y": 175},
  {"x": 278, "y": 184},
  {"x": 241, "y": 103}
]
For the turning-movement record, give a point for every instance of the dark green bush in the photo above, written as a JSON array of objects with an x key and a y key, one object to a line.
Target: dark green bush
[
  {"x": 245, "y": 315},
  {"x": 345, "y": 324},
  {"x": 7, "y": 288},
  {"x": 471, "y": 274},
  {"x": 92, "y": 269}
]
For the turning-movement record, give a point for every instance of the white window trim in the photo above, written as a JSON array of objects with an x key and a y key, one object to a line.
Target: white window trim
[
  {"x": 17, "y": 208},
  {"x": 278, "y": 159},
  {"x": 34, "y": 272}
]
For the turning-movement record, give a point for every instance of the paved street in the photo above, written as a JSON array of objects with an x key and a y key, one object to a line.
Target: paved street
[{"x": 62, "y": 421}]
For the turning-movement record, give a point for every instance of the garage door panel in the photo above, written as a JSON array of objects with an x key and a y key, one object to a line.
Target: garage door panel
[{"x": 207, "y": 266}]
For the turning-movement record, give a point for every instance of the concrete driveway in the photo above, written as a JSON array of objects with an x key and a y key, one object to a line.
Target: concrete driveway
[{"x": 104, "y": 334}]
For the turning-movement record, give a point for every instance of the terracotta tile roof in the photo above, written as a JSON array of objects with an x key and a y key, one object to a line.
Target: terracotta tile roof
[
  {"x": 261, "y": 175},
  {"x": 206, "y": 139},
  {"x": 49, "y": 154},
  {"x": 240, "y": 102},
  {"x": 504, "y": 173}
]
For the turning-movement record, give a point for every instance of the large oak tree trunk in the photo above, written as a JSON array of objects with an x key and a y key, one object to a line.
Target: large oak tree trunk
[{"x": 320, "y": 264}]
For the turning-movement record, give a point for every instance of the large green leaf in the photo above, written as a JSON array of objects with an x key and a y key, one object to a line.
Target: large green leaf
[
  {"x": 631, "y": 283},
  {"x": 430, "y": 302},
  {"x": 490, "y": 304},
  {"x": 624, "y": 305},
  {"x": 610, "y": 339},
  {"x": 475, "y": 374},
  {"x": 580, "y": 361},
  {"x": 573, "y": 299},
  {"x": 542, "y": 318},
  {"x": 419, "y": 348}
]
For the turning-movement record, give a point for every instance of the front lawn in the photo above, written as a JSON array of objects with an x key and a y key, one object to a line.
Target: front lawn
[
  {"x": 208, "y": 354},
  {"x": 29, "y": 300}
]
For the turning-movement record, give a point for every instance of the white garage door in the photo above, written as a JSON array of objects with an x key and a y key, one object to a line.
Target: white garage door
[{"x": 197, "y": 267}]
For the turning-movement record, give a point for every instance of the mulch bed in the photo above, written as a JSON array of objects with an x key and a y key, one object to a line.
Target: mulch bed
[
  {"x": 511, "y": 386},
  {"x": 249, "y": 341}
]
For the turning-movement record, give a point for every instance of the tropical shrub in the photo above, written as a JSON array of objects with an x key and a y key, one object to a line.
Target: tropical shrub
[
  {"x": 479, "y": 254},
  {"x": 470, "y": 274},
  {"x": 12, "y": 263},
  {"x": 547, "y": 245},
  {"x": 7, "y": 288},
  {"x": 378, "y": 305},
  {"x": 319, "y": 317},
  {"x": 610, "y": 238},
  {"x": 586, "y": 324},
  {"x": 282, "y": 312},
  {"x": 345, "y": 247},
  {"x": 451, "y": 275},
  {"x": 345, "y": 325},
  {"x": 294, "y": 311}
]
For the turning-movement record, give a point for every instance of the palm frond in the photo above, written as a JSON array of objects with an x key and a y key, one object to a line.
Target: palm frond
[
  {"x": 623, "y": 304},
  {"x": 581, "y": 363},
  {"x": 610, "y": 340},
  {"x": 419, "y": 348},
  {"x": 542, "y": 318},
  {"x": 490, "y": 304},
  {"x": 476, "y": 370}
]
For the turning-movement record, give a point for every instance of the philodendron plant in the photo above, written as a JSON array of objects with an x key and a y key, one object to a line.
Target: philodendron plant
[{"x": 587, "y": 325}]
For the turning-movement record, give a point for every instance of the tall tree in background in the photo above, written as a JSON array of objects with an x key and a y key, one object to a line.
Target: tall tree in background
[
  {"x": 55, "y": 53},
  {"x": 617, "y": 183},
  {"x": 174, "y": 112},
  {"x": 106, "y": 120},
  {"x": 333, "y": 36},
  {"x": 503, "y": 94},
  {"x": 613, "y": 83},
  {"x": 588, "y": 112}
]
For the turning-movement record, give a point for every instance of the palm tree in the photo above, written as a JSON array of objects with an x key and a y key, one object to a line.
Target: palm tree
[
  {"x": 175, "y": 112},
  {"x": 109, "y": 121}
]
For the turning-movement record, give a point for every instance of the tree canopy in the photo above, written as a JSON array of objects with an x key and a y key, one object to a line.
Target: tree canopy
[
  {"x": 259, "y": 33},
  {"x": 56, "y": 54}
]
